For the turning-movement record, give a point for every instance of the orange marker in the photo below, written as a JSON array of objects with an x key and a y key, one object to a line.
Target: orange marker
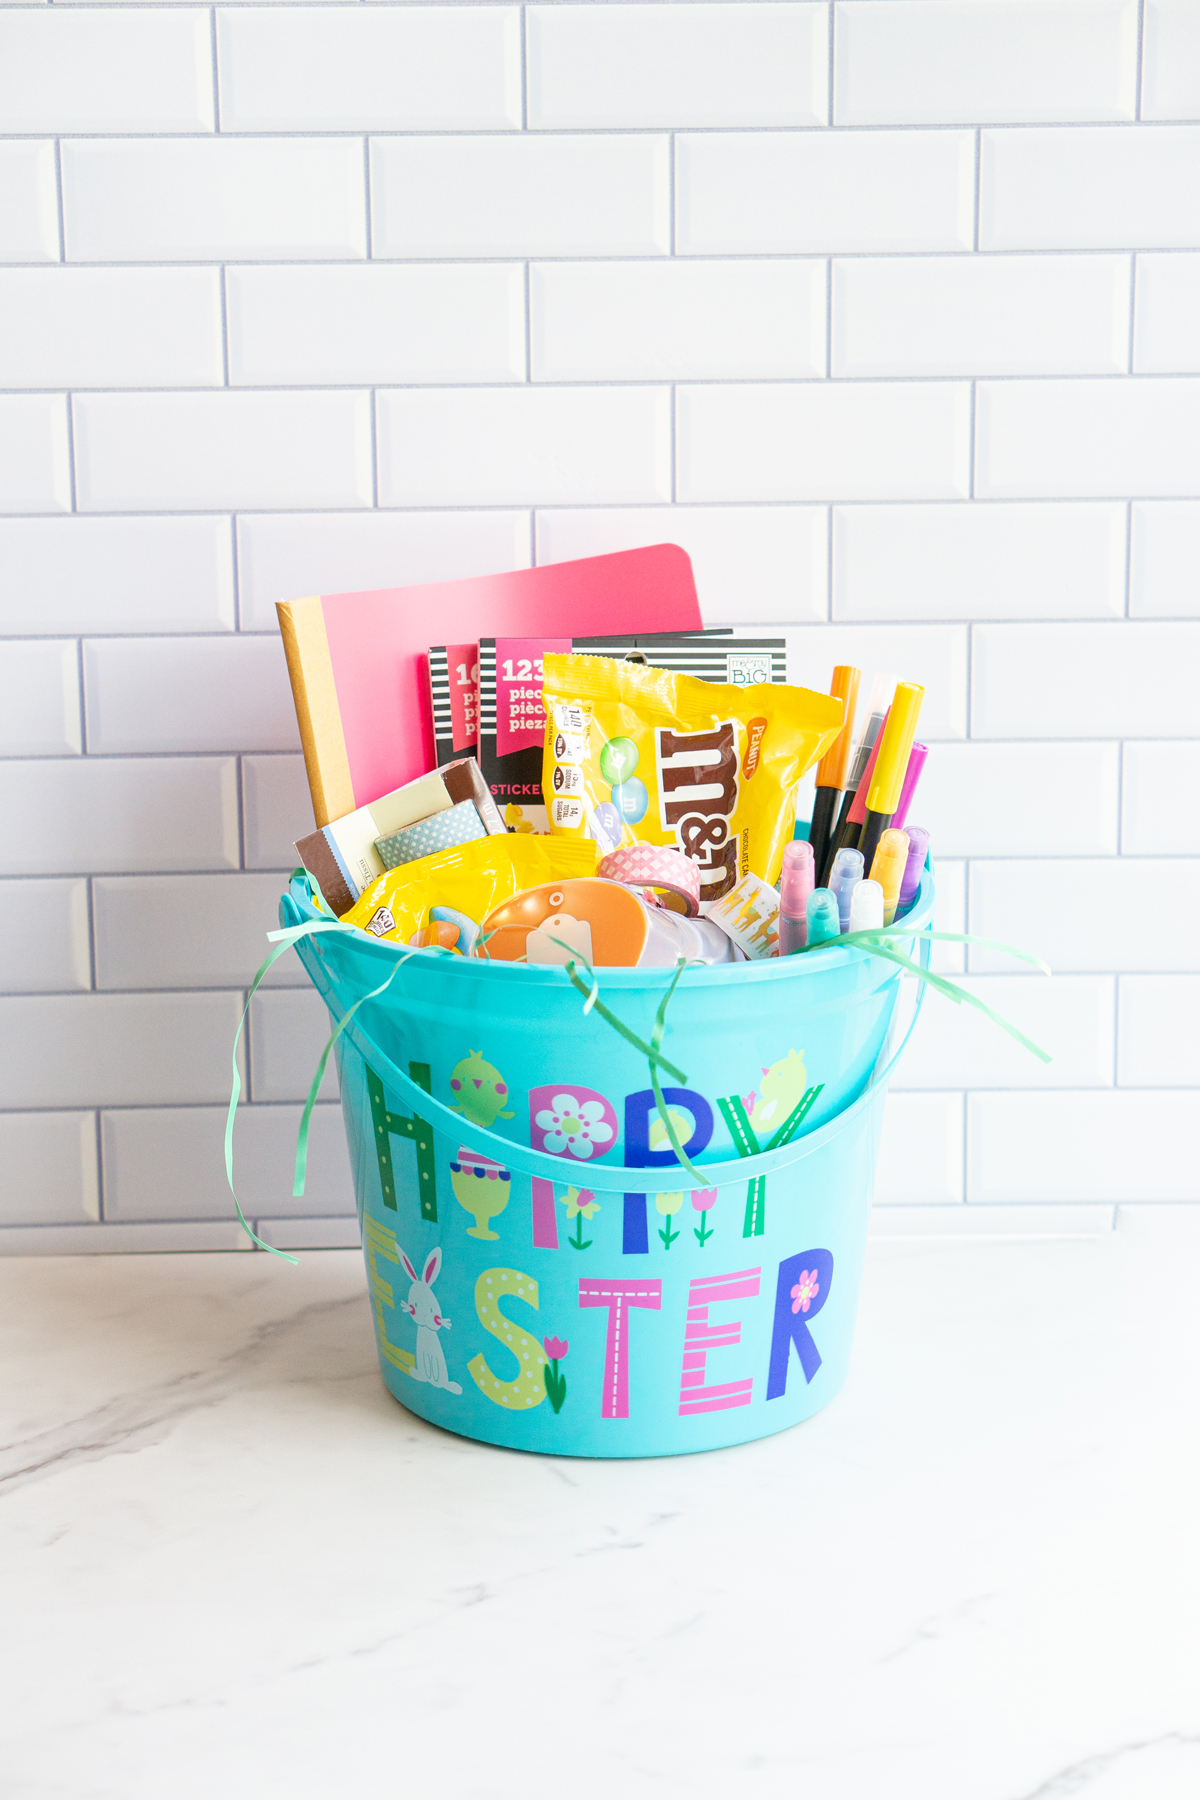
[{"x": 831, "y": 770}]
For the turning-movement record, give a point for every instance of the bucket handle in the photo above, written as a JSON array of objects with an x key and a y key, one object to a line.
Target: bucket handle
[{"x": 602, "y": 1178}]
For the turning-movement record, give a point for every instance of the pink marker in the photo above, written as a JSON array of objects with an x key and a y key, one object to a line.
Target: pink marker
[
  {"x": 798, "y": 882},
  {"x": 916, "y": 762}
]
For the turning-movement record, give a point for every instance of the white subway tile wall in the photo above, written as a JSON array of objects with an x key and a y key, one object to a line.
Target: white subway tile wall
[{"x": 888, "y": 311}]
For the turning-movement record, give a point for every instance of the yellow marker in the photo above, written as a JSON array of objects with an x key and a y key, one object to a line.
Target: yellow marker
[
  {"x": 883, "y": 796},
  {"x": 895, "y": 748},
  {"x": 888, "y": 868}
]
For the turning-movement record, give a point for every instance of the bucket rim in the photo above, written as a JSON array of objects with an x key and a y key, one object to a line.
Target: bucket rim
[{"x": 831, "y": 958}]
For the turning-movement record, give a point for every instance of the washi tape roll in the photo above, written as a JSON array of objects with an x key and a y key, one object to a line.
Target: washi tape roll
[
  {"x": 459, "y": 824},
  {"x": 653, "y": 865}
]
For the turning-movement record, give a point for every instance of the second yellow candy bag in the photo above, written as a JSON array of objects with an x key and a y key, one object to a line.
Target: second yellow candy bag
[
  {"x": 645, "y": 756},
  {"x": 471, "y": 879}
]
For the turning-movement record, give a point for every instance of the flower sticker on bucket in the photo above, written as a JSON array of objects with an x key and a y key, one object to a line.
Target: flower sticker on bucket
[
  {"x": 581, "y": 1204},
  {"x": 571, "y": 1121},
  {"x": 556, "y": 1384},
  {"x": 805, "y": 1290}
]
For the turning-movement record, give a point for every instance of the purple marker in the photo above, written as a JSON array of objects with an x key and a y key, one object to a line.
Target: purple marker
[
  {"x": 916, "y": 762},
  {"x": 918, "y": 845}
]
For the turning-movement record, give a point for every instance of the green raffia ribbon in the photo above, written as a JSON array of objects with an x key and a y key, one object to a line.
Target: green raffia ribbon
[
  {"x": 283, "y": 941},
  {"x": 874, "y": 943},
  {"x": 591, "y": 996},
  {"x": 651, "y": 1051},
  {"x": 877, "y": 943}
]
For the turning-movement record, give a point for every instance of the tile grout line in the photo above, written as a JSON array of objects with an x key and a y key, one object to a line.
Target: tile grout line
[
  {"x": 978, "y": 186},
  {"x": 58, "y": 191},
  {"x": 949, "y": 252},
  {"x": 671, "y": 193},
  {"x": 235, "y": 553},
  {"x": 971, "y": 446},
  {"x": 374, "y": 428},
  {"x": 524, "y": 72},
  {"x": 223, "y": 297},
  {"x": 93, "y": 959},
  {"x": 970, "y": 685},
  {"x": 1128, "y": 556},
  {"x": 831, "y": 29},
  {"x": 528, "y": 296},
  {"x": 829, "y": 563},
  {"x": 100, "y": 1173},
  {"x": 674, "y": 477},
  {"x": 368, "y": 204},
  {"x": 241, "y": 817},
  {"x": 1133, "y": 264},
  {"x": 216, "y": 77},
  {"x": 82, "y": 681},
  {"x": 829, "y": 318},
  {"x": 1121, "y": 798},
  {"x": 1138, "y": 77},
  {"x": 72, "y": 476}
]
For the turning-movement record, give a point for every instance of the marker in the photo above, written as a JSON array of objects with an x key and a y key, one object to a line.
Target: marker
[
  {"x": 891, "y": 860},
  {"x": 866, "y": 907},
  {"x": 850, "y": 832},
  {"x": 881, "y": 693},
  {"x": 895, "y": 748},
  {"x": 823, "y": 921},
  {"x": 847, "y": 873},
  {"x": 912, "y": 775},
  {"x": 831, "y": 770},
  {"x": 918, "y": 849},
  {"x": 796, "y": 884}
]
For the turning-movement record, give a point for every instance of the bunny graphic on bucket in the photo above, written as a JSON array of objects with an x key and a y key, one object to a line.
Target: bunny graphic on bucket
[{"x": 422, "y": 1306}]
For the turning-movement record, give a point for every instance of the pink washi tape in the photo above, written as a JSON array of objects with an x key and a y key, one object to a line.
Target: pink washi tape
[{"x": 653, "y": 865}]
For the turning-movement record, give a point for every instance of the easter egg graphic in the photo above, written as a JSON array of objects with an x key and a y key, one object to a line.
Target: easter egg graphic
[{"x": 480, "y": 1092}]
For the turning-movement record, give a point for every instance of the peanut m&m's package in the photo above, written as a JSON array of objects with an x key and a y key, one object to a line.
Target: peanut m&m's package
[{"x": 635, "y": 755}]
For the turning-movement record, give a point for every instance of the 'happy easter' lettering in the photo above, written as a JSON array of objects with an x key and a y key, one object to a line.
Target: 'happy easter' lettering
[
  {"x": 639, "y": 1108},
  {"x": 618, "y": 1297},
  {"x": 800, "y": 1292}
]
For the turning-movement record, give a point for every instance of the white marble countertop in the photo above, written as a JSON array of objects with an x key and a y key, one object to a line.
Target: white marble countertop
[{"x": 231, "y": 1565}]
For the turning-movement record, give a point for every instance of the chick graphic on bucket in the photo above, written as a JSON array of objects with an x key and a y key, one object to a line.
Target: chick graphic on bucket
[
  {"x": 422, "y": 1306},
  {"x": 782, "y": 1089},
  {"x": 479, "y": 1090}
]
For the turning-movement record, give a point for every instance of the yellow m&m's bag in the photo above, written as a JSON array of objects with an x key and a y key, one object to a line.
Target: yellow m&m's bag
[{"x": 635, "y": 755}]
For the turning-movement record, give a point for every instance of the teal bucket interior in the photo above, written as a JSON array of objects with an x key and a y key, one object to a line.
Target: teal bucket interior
[{"x": 543, "y": 1272}]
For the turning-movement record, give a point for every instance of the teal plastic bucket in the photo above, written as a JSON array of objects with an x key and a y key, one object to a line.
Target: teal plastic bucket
[{"x": 543, "y": 1274}]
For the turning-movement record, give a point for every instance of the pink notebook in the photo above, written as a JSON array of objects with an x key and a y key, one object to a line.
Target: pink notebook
[{"x": 357, "y": 661}]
